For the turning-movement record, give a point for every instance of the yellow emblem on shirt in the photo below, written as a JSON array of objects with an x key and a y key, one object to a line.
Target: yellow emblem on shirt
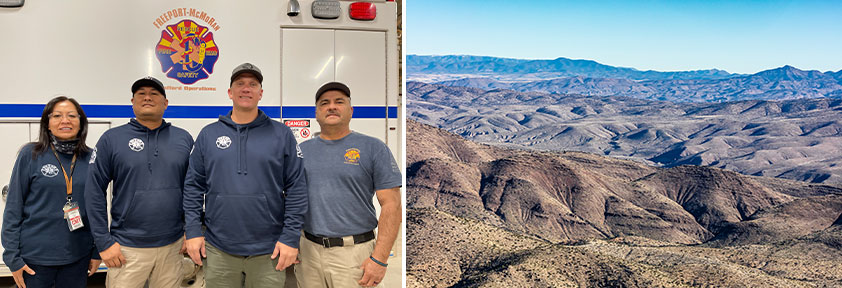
[{"x": 352, "y": 156}]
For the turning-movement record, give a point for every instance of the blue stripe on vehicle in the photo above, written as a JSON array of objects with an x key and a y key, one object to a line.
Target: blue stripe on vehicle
[
  {"x": 359, "y": 112},
  {"x": 173, "y": 111}
]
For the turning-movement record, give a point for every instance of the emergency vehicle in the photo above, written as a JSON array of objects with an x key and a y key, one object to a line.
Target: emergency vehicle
[{"x": 94, "y": 50}]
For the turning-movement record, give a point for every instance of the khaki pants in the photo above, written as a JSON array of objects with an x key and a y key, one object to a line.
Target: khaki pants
[
  {"x": 162, "y": 266},
  {"x": 334, "y": 267},
  {"x": 226, "y": 270}
]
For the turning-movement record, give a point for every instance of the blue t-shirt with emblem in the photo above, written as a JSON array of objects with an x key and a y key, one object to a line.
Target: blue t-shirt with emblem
[{"x": 343, "y": 176}]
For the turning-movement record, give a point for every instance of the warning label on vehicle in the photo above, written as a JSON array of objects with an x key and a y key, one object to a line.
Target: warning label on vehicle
[{"x": 300, "y": 128}]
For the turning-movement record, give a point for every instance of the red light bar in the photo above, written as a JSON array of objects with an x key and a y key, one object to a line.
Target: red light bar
[{"x": 363, "y": 11}]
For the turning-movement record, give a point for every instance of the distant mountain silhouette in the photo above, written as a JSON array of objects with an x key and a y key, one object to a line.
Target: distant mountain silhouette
[
  {"x": 789, "y": 73},
  {"x": 559, "y": 67},
  {"x": 565, "y": 76},
  {"x": 837, "y": 75}
]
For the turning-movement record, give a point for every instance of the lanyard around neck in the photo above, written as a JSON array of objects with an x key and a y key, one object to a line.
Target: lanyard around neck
[{"x": 67, "y": 180}]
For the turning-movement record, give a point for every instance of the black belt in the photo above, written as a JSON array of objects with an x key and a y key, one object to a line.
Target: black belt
[{"x": 337, "y": 241}]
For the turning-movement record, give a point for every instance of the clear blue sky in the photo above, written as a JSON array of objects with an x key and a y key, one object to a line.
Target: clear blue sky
[{"x": 736, "y": 36}]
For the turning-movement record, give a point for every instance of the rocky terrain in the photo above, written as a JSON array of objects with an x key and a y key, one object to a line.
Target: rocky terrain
[
  {"x": 798, "y": 139},
  {"x": 489, "y": 216}
]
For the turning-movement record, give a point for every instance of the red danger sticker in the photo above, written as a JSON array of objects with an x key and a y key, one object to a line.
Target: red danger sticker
[{"x": 297, "y": 123}]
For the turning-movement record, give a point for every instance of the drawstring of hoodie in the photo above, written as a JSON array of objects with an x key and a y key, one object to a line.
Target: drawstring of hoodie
[
  {"x": 152, "y": 149},
  {"x": 241, "y": 141}
]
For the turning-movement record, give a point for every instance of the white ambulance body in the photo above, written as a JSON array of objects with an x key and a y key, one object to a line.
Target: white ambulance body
[{"x": 94, "y": 50}]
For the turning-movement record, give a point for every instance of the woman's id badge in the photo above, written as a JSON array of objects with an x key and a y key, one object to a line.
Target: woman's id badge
[{"x": 74, "y": 218}]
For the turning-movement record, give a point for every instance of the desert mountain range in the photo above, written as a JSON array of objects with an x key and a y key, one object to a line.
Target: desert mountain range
[
  {"x": 585, "y": 77},
  {"x": 521, "y": 69},
  {"x": 798, "y": 139},
  {"x": 488, "y": 216}
]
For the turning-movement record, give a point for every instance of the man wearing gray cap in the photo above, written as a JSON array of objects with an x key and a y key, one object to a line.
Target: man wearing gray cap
[
  {"x": 246, "y": 171},
  {"x": 146, "y": 159},
  {"x": 345, "y": 170}
]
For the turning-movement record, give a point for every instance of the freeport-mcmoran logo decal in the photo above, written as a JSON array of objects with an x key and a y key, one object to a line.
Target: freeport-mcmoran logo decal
[
  {"x": 187, "y": 50},
  {"x": 182, "y": 12}
]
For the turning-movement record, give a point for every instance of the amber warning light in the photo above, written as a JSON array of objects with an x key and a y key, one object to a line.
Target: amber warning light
[{"x": 363, "y": 11}]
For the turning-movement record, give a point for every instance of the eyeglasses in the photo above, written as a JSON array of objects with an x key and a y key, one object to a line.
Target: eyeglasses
[{"x": 69, "y": 116}]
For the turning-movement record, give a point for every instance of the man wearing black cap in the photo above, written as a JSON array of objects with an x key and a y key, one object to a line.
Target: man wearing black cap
[
  {"x": 345, "y": 170},
  {"x": 246, "y": 171},
  {"x": 146, "y": 159}
]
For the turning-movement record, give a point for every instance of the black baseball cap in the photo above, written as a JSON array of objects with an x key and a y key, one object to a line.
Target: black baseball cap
[
  {"x": 149, "y": 81},
  {"x": 246, "y": 68},
  {"x": 333, "y": 86}
]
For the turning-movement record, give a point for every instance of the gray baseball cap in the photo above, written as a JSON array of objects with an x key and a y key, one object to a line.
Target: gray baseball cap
[{"x": 246, "y": 68}]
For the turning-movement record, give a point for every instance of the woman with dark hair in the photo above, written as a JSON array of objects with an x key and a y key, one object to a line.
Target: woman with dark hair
[{"x": 45, "y": 228}]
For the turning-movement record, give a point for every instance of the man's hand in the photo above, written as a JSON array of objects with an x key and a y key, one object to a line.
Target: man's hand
[
  {"x": 387, "y": 231},
  {"x": 287, "y": 255},
  {"x": 93, "y": 266},
  {"x": 113, "y": 257},
  {"x": 18, "y": 275},
  {"x": 196, "y": 249},
  {"x": 373, "y": 273}
]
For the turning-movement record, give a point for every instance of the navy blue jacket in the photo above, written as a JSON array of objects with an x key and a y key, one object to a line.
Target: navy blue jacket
[
  {"x": 253, "y": 180},
  {"x": 147, "y": 167},
  {"x": 34, "y": 228}
]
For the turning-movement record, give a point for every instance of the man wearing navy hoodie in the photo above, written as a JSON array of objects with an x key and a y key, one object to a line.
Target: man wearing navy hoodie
[
  {"x": 247, "y": 171},
  {"x": 147, "y": 160}
]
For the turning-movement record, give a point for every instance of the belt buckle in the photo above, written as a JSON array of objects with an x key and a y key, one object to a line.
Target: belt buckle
[{"x": 326, "y": 242}]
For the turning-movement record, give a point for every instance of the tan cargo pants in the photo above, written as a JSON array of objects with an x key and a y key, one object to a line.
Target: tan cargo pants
[
  {"x": 334, "y": 267},
  {"x": 162, "y": 266}
]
